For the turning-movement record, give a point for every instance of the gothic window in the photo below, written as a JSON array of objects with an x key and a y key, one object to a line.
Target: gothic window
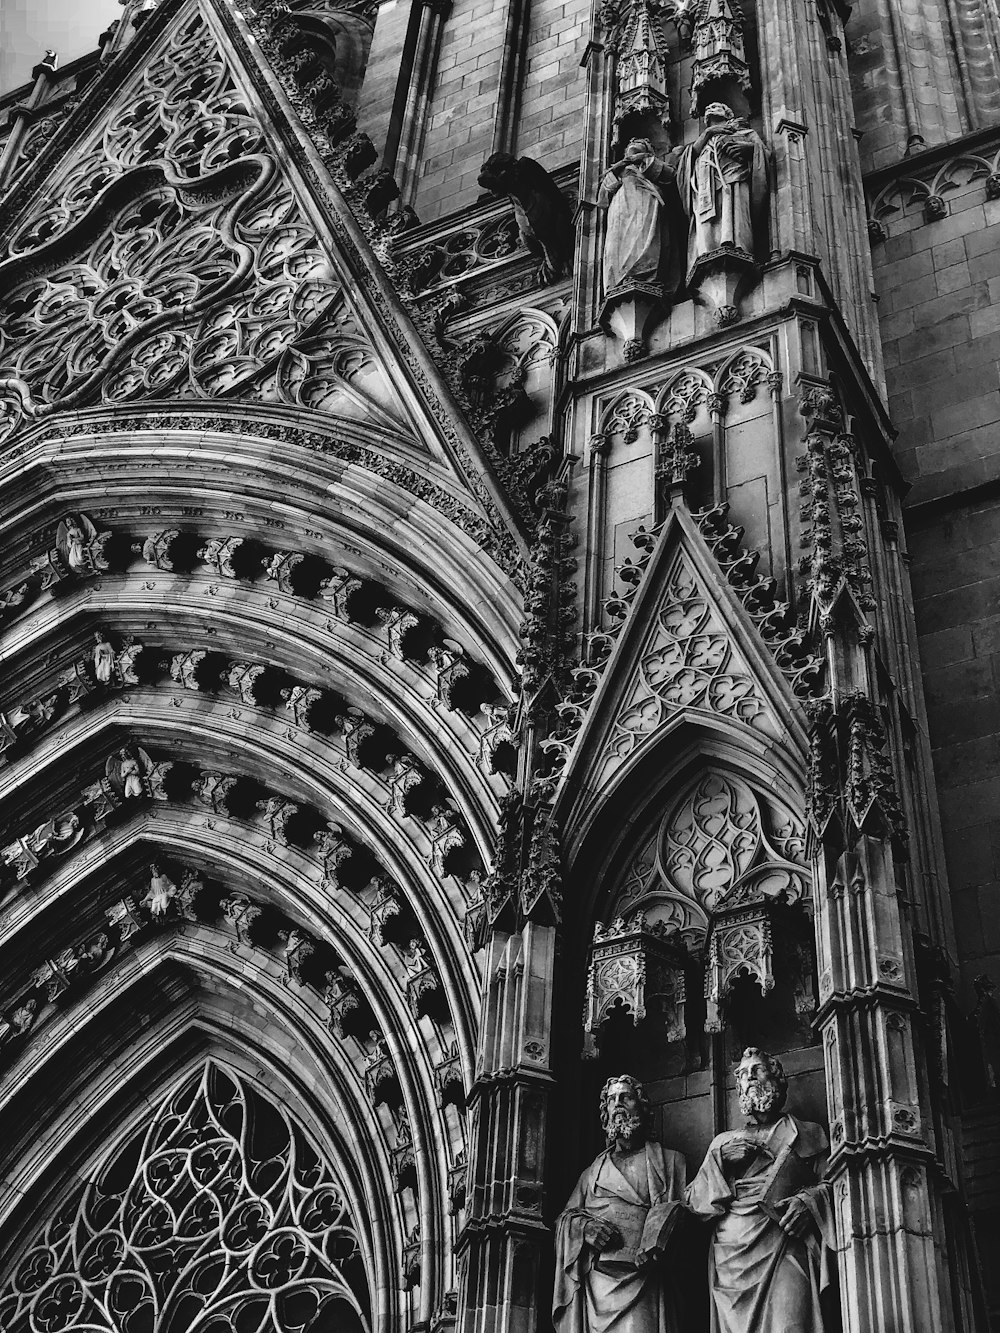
[{"x": 215, "y": 1216}]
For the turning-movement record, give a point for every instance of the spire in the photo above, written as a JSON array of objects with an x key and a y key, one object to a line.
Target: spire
[
  {"x": 642, "y": 67},
  {"x": 720, "y": 63}
]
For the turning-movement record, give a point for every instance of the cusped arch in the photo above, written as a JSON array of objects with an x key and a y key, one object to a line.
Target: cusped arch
[
  {"x": 176, "y": 996},
  {"x": 685, "y": 394},
  {"x": 216, "y": 1205},
  {"x": 603, "y": 832},
  {"x": 625, "y": 415},
  {"x": 718, "y": 836}
]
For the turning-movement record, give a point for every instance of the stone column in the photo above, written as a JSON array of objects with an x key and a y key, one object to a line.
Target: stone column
[{"x": 505, "y": 1244}]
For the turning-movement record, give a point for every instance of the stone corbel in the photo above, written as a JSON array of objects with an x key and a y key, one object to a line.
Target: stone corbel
[
  {"x": 423, "y": 985},
  {"x": 448, "y": 1080},
  {"x": 629, "y": 312}
]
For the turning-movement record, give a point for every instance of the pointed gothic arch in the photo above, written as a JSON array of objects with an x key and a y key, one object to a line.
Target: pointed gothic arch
[{"x": 214, "y": 1207}]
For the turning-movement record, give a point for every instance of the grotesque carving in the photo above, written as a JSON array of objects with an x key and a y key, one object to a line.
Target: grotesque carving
[
  {"x": 636, "y": 243},
  {"x": 761, "y": 1188},
  {"x": 612, "y": 1232},
  {"x": 541, "y": 210}
]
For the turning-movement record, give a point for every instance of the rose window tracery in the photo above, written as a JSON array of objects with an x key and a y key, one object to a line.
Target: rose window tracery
[{"x": 215, "y": 1216}]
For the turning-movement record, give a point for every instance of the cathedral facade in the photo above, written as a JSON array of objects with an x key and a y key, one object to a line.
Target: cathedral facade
[{"x": 499, "y": 582}]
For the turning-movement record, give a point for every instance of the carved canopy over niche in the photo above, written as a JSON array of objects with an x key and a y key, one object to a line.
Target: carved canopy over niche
[
  {"x": 720, "y": 845},
  {"x": 172, "y": 259},
  {"x": 700, "y": 895},
  {"x": 216, "y": 1214}
]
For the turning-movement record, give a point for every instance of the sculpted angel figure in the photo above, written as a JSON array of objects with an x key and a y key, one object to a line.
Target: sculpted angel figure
[
  {"x": 762, "y": 1189},
  {"x": 636, "y": 244},
  {"x": 80, "y": 544},
  {"x": 609, "y": 1237},
  {"x": 56, "y": 835},
  {"x": 723, "y": 180},
  {"x": 127, "y": 773}
]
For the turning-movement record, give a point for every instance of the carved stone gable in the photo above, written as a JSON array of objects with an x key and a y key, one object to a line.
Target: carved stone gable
[
  {"x": 679, "y": 647},
  {"x": 173, "y": 255},
  {"x": 688, "y": 661}
]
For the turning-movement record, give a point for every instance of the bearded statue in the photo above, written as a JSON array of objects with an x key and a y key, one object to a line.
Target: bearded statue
[
  {"x": 723, "y": 183},
  {"x": 761, "y": 1187},
  {"x": 611, "y": 1236}
]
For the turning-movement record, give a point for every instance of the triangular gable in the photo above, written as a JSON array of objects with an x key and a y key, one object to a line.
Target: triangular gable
[
  {"x": 173, "y": 247},
  {"x": 688, "y": 649}
]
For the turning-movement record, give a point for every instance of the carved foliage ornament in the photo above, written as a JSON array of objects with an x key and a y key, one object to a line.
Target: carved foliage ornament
[{"x": 217, "y": 1204}]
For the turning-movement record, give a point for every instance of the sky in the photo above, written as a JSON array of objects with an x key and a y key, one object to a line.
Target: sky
[{"x": 28, "y": 27}]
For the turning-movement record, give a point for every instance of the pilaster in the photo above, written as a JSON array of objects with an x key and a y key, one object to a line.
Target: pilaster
[{"x": 504, "y": 1246}]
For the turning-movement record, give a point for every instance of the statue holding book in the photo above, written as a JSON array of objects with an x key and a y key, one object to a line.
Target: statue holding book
[
  {"x": 772, "y": 1247},
  {"x": 611, "y": 1235}
]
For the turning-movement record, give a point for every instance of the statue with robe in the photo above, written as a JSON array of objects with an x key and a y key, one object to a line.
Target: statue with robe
[
  {"x": 723, "y": 181},
  {"x": 636, "y": 242},
  {"x": 611, "y": 1235},
  {"x": 103, "y": 657},
  {"x": 771, "y": 1256}
]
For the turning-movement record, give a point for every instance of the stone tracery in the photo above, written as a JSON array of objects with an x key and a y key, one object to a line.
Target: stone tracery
[
  {"x": 193, "y": 270},
  {"x": 216, "y": 1207}
]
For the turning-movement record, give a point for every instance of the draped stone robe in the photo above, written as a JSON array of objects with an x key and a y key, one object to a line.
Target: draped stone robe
[
  {"x": 724, "y": 192},
  {"x": 607, "y": 1292},
  {"x": 635, "y": 243},
  {"x": 762, "y": 1280}
]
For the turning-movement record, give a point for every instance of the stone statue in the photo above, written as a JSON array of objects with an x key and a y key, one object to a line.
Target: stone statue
[
  {"x": 73, "y": 538},
  {"x": 636, "y": 243},
  {"x": 611, "y": 1233},
  {"x": 162, "y": 891},
  {"x": 125, "y": 773},
  {"x": 773, "y": 1237},
  {"x": 722, "y": 179},
  {"x": 540, "y": 207},
  {"x": 103, "y": 658}
]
